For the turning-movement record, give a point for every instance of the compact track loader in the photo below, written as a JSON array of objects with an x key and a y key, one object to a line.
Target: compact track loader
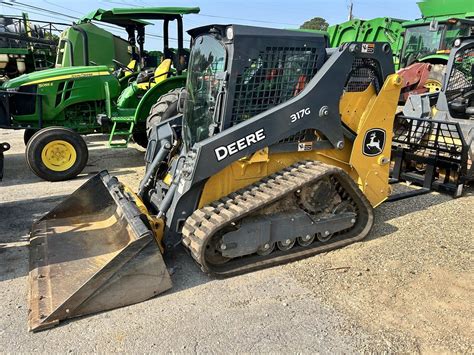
[{"x": 281, "y": 152}]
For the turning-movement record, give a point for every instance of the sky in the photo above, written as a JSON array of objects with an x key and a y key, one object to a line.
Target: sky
[{"x": 265, "y": 13}]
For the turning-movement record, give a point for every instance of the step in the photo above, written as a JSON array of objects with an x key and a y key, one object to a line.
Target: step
[
  {"x": 122, "y": 119},
  {"x": 121, "y": 133},
  {"x": 118, "y": 145}
]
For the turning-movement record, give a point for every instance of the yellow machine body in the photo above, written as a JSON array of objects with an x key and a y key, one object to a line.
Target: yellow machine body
[{"x": 360, "y": 111}]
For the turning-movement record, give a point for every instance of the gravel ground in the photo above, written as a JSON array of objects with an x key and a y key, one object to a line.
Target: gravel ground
[{"x": 407, "y": 288}]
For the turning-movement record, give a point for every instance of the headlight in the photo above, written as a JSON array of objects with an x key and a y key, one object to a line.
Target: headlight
[{"x": 229, "y": 33}]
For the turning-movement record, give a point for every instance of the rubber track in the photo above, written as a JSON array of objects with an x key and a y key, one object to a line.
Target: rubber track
[{"x": 205, "y": 222}]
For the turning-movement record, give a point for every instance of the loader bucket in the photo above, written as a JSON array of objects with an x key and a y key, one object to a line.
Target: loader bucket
[{"x": 93, "y": 252}]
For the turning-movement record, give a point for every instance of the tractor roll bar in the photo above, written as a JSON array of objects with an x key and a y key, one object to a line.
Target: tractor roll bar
[{"x": 166, "y": 22}]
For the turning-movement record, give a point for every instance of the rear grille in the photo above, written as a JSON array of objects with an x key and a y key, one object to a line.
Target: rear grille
[
  {"x": 363, "y": 73},
  {"x": 303, "y": 136}
]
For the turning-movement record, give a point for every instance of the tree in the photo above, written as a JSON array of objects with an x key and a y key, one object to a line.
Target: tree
[
  {"x": 52, "y": 37},
  {"x": 316, "y": 23}
]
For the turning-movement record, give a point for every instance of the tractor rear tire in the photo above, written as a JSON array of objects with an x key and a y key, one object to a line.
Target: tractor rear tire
[
  {"x": 166, "y": 107},
  {"x": 29, "y": 132},
  {"x": 56, "y": 153},
  {"x": 140, "y": 138}
]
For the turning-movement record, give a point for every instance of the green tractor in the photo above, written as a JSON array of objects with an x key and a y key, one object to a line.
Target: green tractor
[
  {"x": 427, "y": 43},
  {"x": 56, "y": 106},
  {"x": 430, "y": 38}
]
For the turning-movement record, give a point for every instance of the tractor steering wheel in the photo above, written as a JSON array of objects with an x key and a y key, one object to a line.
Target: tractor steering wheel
[{"x": 122, "y": 66}]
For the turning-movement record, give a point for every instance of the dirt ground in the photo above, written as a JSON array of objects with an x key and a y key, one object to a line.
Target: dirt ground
[{"x": 407, "y": 288}]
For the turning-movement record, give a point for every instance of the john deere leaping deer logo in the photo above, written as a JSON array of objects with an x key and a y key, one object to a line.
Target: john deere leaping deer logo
[{"x": 374, "y": 142}]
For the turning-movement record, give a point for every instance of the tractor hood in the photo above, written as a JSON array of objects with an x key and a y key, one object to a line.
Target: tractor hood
[{"x": 54, "y": 74}]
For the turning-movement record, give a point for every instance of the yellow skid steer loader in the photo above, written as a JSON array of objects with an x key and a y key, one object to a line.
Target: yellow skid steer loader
[{"x": 280, "y": 150}]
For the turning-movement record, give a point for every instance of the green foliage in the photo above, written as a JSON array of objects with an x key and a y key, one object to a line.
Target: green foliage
[
  {"x": 52, "y": 37},
  {"x": 316, "y": 23}
]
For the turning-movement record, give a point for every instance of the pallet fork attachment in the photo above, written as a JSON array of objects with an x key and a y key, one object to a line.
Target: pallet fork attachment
[{"x": 431, "y": 153}]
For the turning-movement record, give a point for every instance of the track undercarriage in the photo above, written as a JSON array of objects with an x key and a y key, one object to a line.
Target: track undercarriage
[{"x": 308, "y": 208}]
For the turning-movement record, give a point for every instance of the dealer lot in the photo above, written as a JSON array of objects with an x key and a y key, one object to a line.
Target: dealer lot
[{"x": 407, "y": 287}]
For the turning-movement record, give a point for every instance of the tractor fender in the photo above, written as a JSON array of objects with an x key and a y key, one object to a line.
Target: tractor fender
[
  {"x": 435, "y": 59},
  {"x": 154, "y": 93}
]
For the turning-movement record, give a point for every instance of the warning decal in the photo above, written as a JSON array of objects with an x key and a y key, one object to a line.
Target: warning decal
[
  {"x": 368, "y": 47},
  {"x": 305, "y": 146}
]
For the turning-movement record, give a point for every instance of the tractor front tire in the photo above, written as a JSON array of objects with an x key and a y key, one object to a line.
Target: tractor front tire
[
  {"x": 29, "y": 132},
  {"x": 165, "y": 107},
  {"x": 56, "y": 153}
]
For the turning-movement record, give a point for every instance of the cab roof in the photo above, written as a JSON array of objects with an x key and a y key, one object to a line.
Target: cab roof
[{"x": 135, "y": 16}]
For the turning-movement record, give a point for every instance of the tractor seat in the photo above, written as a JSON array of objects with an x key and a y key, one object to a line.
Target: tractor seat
[
  {"x": 162, "y": 72},
  {"x": 133, "y": 66},
  {"x": 121, "y": 73}
]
